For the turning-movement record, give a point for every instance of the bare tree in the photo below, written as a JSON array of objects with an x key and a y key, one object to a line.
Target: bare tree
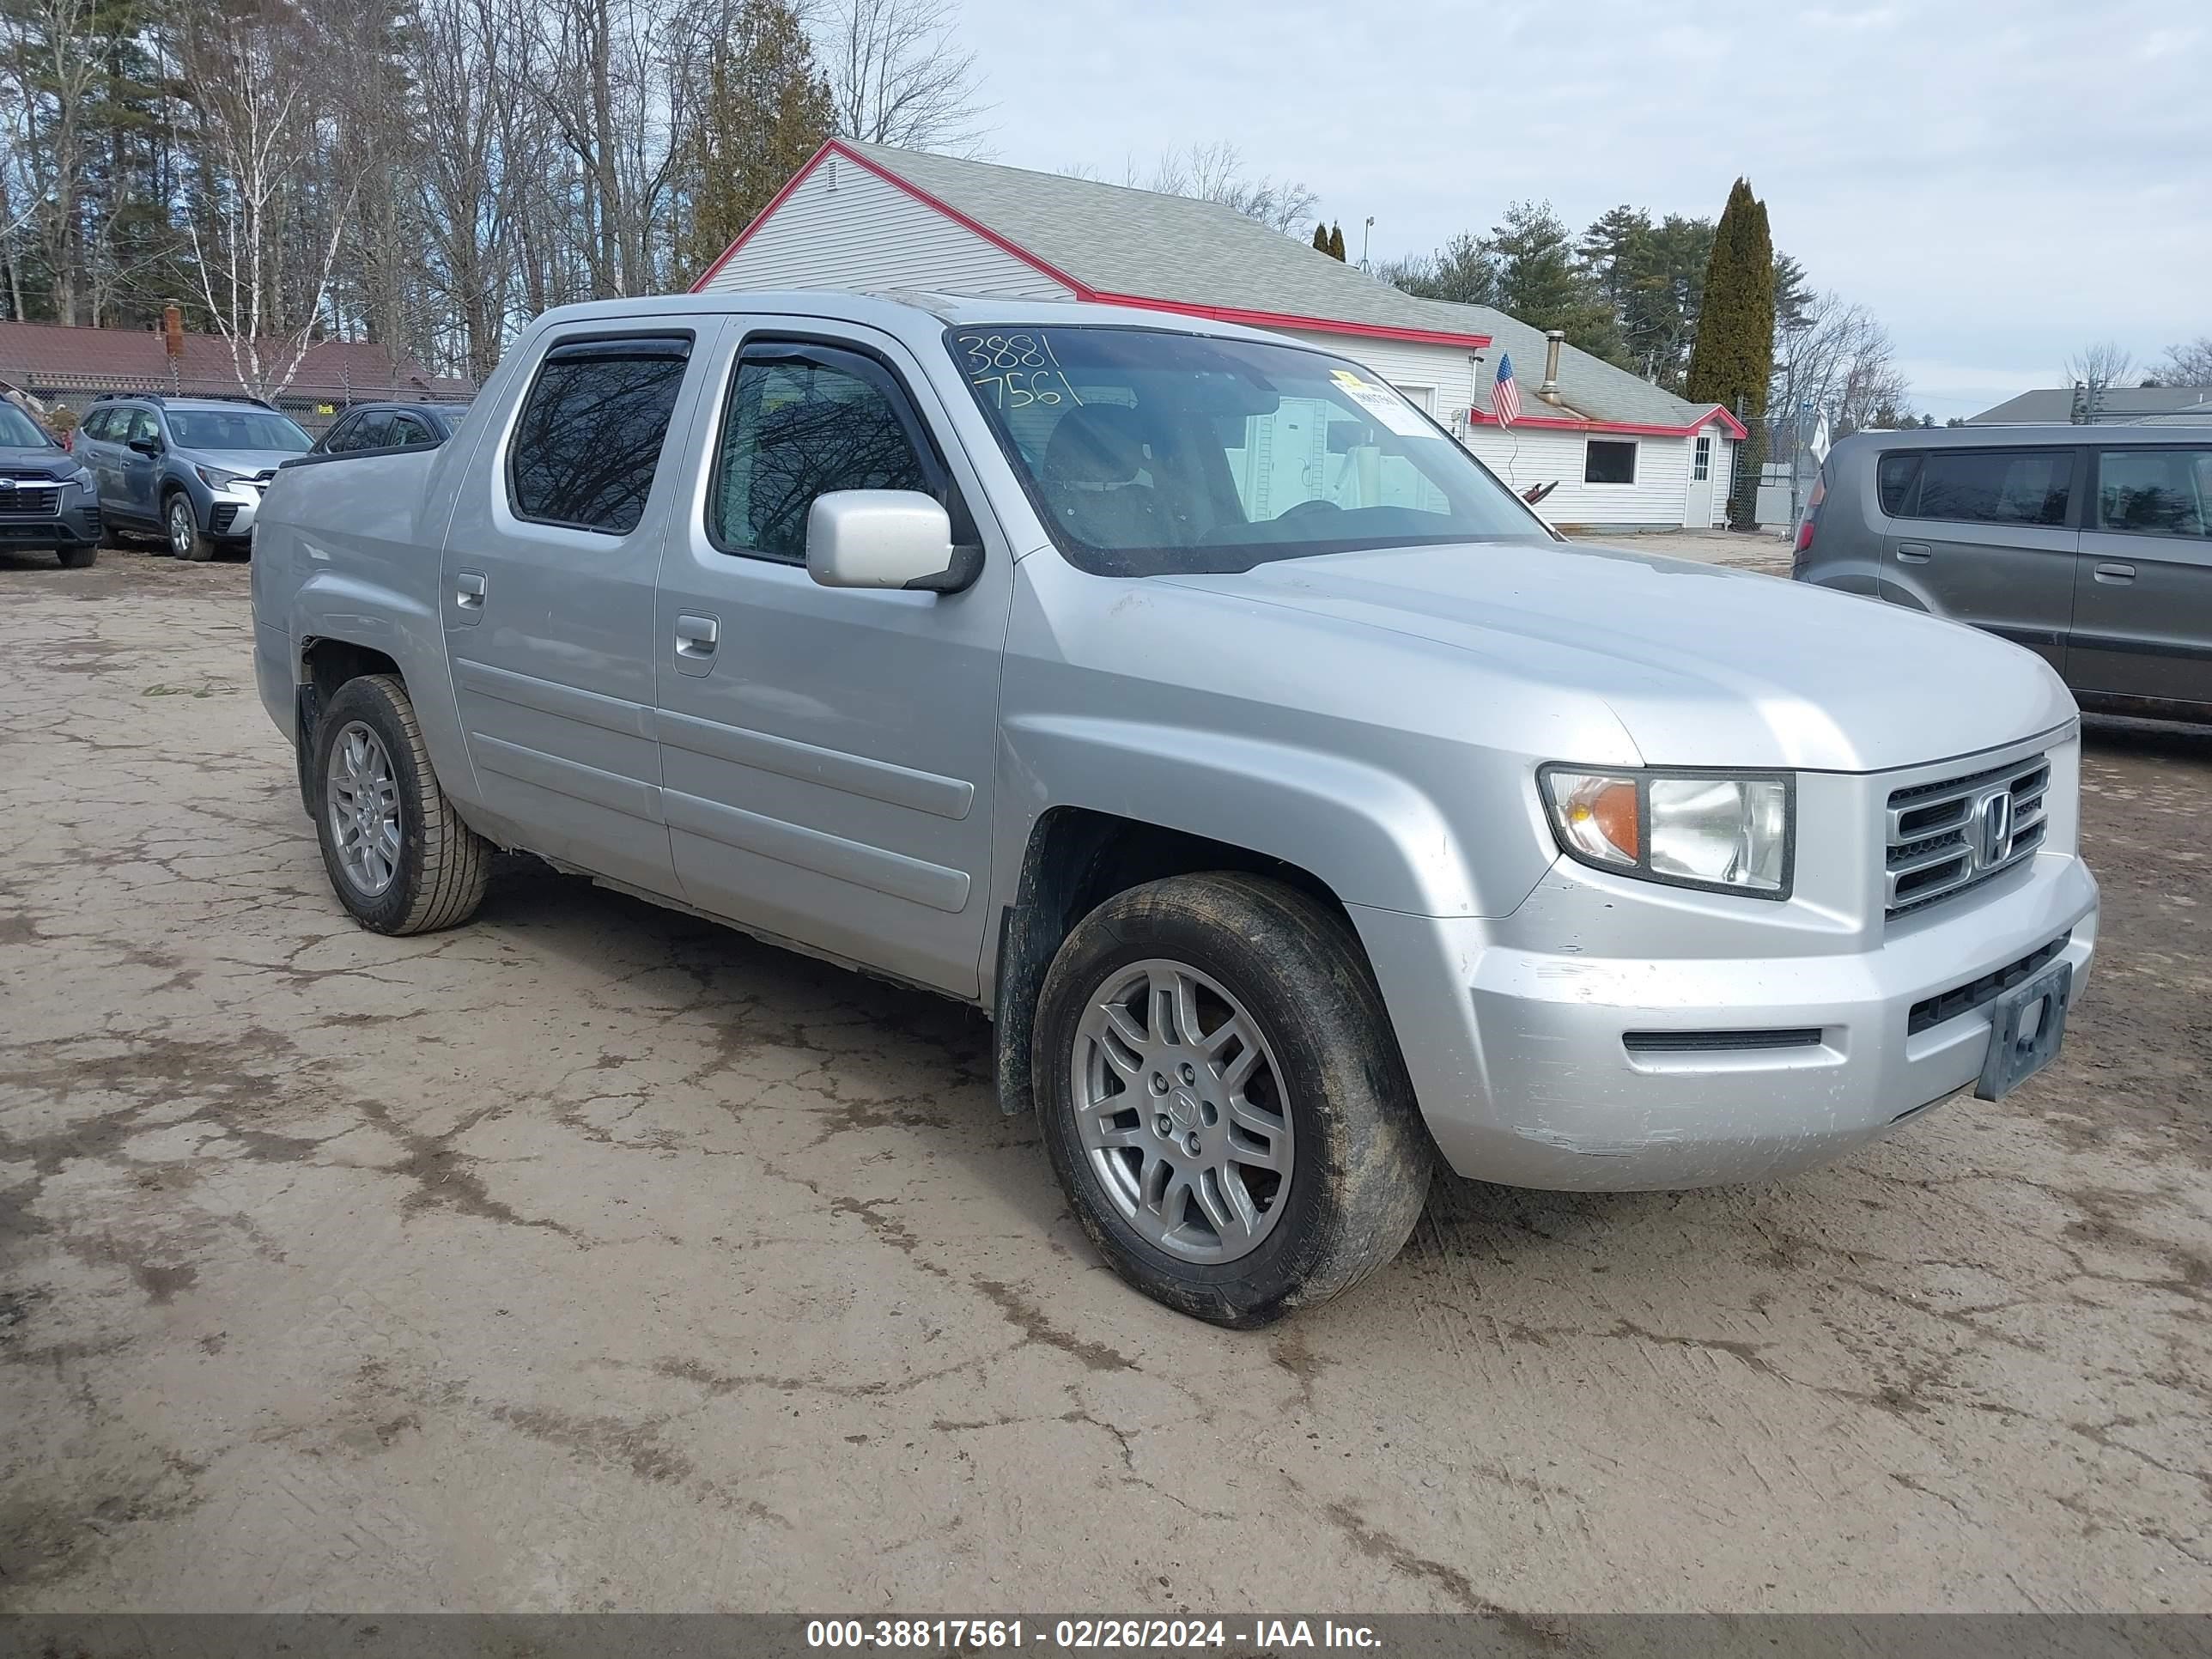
[
  {"x": 250, "y": 73},
  {"x": 50, "y": 73},
  {"x": 2187, "y": 365},
  {"x": 899, "y": 76},
  {"x": 1216, "y": 173},
  {"x": 2107, "y": 362},
  {"x": 1834, "y": 359}
]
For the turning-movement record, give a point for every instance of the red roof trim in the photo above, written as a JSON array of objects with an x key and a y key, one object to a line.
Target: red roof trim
[
  {"x": 1083, "y": 290},
  {"x": 837, "y": 147},
  {"x": 1558, "y": 423}
]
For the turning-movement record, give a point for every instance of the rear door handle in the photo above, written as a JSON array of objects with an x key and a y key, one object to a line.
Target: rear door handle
[
  {"x": 696, "y": 638},
  {"x": 469, "y": 591},
  {"x": 1914, "y": 553},
  {"x": 2117, "y": 575}
]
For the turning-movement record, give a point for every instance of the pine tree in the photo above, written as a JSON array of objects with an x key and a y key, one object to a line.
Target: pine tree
[
  {"x": 1321, "y": 237},
  {"x": 1336, "y": 243},
  {"x": 1734, "y": 358},
  {"x": 764, "y": 108}
]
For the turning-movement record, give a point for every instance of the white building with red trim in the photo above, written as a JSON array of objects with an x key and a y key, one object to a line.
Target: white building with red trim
[{"x": 1621, "y": 453}]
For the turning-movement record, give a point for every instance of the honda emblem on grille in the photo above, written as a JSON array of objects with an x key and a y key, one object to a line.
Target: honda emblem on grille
[{"x": 1993, "y": 828}]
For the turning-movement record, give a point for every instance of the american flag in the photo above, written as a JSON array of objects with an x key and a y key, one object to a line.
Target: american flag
[{"x": 1505, "y": 394}]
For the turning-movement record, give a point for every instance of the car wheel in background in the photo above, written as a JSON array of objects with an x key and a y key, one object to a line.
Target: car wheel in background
[
  {"x": 182, "y": 529},
  {"x": 75, "y": 558},
  {"x": 398, "y": 856},
  {"x": 1223, "y": 1098}
]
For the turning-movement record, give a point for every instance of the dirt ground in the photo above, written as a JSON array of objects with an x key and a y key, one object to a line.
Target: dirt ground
[{"x": 593, "y": 1257}]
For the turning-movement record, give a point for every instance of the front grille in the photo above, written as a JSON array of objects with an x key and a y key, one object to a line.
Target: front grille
[
  {"x": 220, "y": 521},
  {"x": 1938, "y": 846},
  {"x": 1964, "y": 999},
  {"x": 32, "y": 500}
]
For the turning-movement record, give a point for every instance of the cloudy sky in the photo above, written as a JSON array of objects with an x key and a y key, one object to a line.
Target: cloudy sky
[{"x": 1999, "y": 180}]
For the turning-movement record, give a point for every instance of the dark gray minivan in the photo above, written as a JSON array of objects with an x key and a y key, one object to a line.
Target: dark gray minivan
[{"x": 2092, "y": 545}]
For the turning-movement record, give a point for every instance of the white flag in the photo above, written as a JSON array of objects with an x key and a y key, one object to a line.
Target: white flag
[{"x": 1820, "y": 445}]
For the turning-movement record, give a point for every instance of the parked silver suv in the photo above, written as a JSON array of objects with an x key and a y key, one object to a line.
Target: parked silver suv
[
  {"x": 1299, "y": 806},
  {"x": 2092, "y": 546},
  {"x": 189, "y": 470}
]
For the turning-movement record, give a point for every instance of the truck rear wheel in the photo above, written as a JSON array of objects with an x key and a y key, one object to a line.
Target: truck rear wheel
[
  {"x": 1223, "y": 1098},
  {"x": 398, "y": 856}
]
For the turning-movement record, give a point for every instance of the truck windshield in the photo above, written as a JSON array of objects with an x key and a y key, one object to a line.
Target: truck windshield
[
  {"x": 1150, "y": 453},
  {"x": 236, "y": 428}
]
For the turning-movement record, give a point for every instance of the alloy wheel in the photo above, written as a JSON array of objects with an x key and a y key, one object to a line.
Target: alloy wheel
[
  {"x": 1181, "y": 1111},
  {"x": 361, "y": 796}
]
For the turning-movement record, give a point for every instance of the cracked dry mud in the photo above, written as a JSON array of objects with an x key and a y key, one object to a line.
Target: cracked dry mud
[{"x": 590, "y": 1256}]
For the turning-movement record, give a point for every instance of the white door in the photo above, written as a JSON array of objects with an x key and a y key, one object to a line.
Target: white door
[{"x": 1697, "y": 512}]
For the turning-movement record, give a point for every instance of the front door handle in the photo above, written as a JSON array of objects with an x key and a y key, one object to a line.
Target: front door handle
[
  {"x": 696, "y": 637},
  {"x": 469, "y": 591},
  {"x": 2117, "y": 574},
  {"x": 1914, "y": 552}
]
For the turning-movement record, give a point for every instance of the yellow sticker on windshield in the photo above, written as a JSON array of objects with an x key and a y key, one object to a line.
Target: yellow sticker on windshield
[{"x": 1384, "y": 404}]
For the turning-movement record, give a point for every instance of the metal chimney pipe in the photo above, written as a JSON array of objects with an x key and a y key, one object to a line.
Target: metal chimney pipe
[{"x": 1553, "y": 339}]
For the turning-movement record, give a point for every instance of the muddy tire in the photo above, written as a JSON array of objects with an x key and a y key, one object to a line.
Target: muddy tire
[
  {"x": 398, "y": 856},
  {"x": 75, "y": 558},
  {"x": 1223, "y": 1098}
]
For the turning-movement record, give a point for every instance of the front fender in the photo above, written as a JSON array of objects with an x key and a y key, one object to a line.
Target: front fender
[{"x": 1372, "y": 836}]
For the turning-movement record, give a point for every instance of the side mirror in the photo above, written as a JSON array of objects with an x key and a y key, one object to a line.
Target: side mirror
[
  {"x": 146, "y": 446},
  {"x": 887, "y": 538}
]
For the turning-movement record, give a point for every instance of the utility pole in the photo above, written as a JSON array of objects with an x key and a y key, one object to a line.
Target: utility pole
[{"x": 1367, "y": 231}]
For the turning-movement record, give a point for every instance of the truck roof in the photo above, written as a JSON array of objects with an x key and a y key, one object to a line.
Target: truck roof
[{"x": 904, "y": 312}]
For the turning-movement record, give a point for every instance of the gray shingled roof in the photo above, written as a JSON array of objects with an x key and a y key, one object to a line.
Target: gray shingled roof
[
  {"x": 1112, "y": 239},
  {"x": 2114, "y": 403}
]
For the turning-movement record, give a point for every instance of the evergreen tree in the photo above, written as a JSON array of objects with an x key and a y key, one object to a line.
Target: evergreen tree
[
  {"x": 1320, "y": 237},
  {"x": 1734, "y": 358},
  {"x": 764, "y": 108},
  {"x": 1336, "y": 243},
  {"x": 1540, "y": 284}
]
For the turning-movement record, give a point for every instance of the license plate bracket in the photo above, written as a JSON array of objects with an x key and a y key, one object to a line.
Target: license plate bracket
[{"x": 2027, "y": 1024}]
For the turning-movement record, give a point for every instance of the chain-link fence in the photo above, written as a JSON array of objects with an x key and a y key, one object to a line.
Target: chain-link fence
[{"x": 316, "y": 406}]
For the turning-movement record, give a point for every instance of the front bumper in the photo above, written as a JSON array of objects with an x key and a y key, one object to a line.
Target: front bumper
[
  {"x": 1746, "y": 1065},
  {"x": 229, "y": 512},
  {"x": 75, "y": 524}
]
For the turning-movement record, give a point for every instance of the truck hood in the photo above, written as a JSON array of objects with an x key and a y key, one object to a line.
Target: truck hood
[{"x": 1703, "y": 666}]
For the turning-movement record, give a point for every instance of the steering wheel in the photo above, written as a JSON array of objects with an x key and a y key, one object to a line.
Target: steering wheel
[{"x": 1308, "y": 509}]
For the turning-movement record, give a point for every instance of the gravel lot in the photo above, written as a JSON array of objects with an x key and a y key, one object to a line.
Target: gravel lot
[{"x": 592, "y": 1257}]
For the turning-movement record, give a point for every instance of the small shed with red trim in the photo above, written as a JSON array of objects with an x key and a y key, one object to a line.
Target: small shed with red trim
[{"x": 1622, "y": 452}]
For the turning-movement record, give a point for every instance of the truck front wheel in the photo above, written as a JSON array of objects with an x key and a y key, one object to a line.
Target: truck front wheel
[
  {"x": 1223, "y": 1098},
  {"x": 398, "y": 856}
]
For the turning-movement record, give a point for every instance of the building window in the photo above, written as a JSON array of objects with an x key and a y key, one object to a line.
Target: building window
[
  {"x": 1701, "y": 462},
  {"x": 1606, "y": 461}
]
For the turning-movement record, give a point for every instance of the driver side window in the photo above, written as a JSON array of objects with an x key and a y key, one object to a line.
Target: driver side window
[{"x": 801, "y": 422}]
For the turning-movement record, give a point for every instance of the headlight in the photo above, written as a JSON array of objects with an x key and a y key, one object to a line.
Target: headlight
[
  {"x": 82, "y": 478},
  {"x": 216, "y": 477},
  {"x": 1725, "y": 832}
]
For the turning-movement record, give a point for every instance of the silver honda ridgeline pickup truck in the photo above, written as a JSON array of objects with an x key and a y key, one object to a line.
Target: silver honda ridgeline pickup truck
[{"x": 1301, "y": 808}]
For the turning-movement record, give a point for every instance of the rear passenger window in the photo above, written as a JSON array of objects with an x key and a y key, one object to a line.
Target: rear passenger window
[
  {"x": 1895, "y": 479},
  {"x": 2155, "y": 492},
  {"x": 96, "y": 424},
  {"x": 1996, "y": 486},
  {"x": 590, "y": 434},
  {"x": 803, "y": 422}
]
